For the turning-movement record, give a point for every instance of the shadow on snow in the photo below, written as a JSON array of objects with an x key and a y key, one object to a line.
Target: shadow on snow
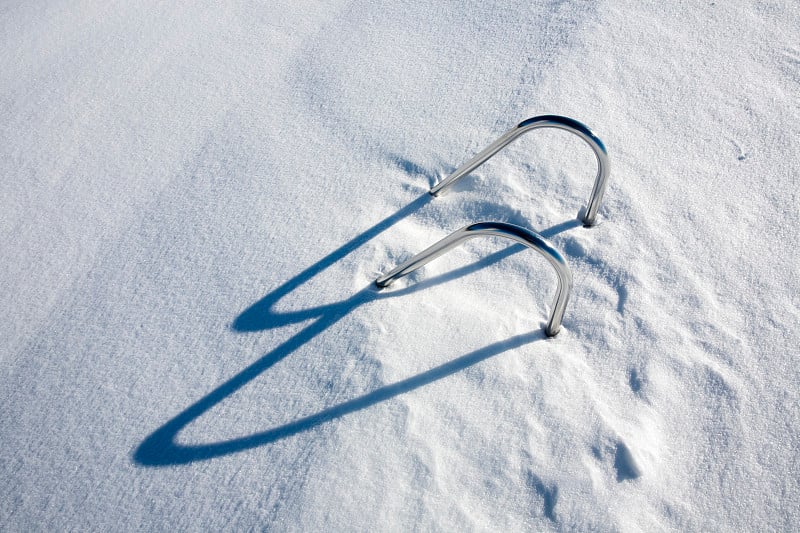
[{"x": 160, "y": 447}]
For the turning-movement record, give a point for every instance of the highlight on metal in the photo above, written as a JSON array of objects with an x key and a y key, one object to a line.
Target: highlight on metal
[
  {"x": 543, "y": 121},
  {"x": 523, "y": 236}
]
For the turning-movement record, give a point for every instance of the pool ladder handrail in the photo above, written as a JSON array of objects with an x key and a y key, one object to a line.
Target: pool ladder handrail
[
  {"x": 523, "y": 236},
  {"x": 542, "y": 121}
]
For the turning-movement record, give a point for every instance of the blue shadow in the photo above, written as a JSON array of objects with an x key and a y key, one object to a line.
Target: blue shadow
[{"x": 161, "y": 449}]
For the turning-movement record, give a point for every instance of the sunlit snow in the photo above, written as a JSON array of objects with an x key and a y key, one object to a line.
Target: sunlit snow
[{"x": 197, "y": 197}]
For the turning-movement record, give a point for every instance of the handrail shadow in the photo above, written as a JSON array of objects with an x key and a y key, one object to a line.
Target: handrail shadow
[
  {"x": 260, "y": 315},
  {"x": 160, "y": 447}
]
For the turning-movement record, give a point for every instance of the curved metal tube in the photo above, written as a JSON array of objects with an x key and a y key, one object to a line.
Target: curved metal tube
[
  {"x": 543, "y": 121},
  {"x": 523, "y": 236}
]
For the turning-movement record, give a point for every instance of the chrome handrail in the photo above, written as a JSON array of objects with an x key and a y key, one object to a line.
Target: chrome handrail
[
  {"x": 500, "y": 229},
  {"x": 543, "y": 121}
]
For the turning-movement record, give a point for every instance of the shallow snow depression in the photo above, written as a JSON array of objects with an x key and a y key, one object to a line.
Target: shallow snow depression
[{"x": 196, "y": 201}]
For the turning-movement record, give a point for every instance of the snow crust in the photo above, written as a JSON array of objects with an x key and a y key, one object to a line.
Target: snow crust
[{"x": 197, "y": 197}]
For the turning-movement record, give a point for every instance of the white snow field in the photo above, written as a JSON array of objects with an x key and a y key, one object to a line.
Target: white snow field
[{"x": 197, "y": 197}]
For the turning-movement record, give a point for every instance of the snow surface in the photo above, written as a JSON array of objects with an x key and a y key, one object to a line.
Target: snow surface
[{"x": 196, "y": 198}]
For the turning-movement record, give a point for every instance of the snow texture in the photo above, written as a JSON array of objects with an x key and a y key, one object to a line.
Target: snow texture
[{"x": 197, "y": 197}]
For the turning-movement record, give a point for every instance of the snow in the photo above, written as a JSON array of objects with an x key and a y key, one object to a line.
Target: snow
[{"x": 196, "y": 200}]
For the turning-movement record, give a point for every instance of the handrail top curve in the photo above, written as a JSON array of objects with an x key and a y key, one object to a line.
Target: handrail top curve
[
  {"x": 514, "y": 232},
  {"x": 565, "y": 123}
]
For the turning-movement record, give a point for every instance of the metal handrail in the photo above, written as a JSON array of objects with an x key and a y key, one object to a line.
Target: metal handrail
[
  {"x": 543, "y": 121},
  {"x": 523, "y": 236}
]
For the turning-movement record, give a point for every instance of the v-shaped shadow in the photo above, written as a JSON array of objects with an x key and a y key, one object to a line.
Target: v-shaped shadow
[{"x": 161, "y": 449}]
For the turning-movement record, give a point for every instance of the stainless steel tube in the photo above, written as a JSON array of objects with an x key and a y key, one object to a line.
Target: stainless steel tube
[
  {"x": 523, "y": 236},
  {"x": 543, "y": 121}
]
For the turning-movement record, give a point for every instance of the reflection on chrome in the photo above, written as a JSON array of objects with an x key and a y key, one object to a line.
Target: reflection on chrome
[
  {"x": 543, "y": 121},
  {"x": 523, "y": 236}
]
